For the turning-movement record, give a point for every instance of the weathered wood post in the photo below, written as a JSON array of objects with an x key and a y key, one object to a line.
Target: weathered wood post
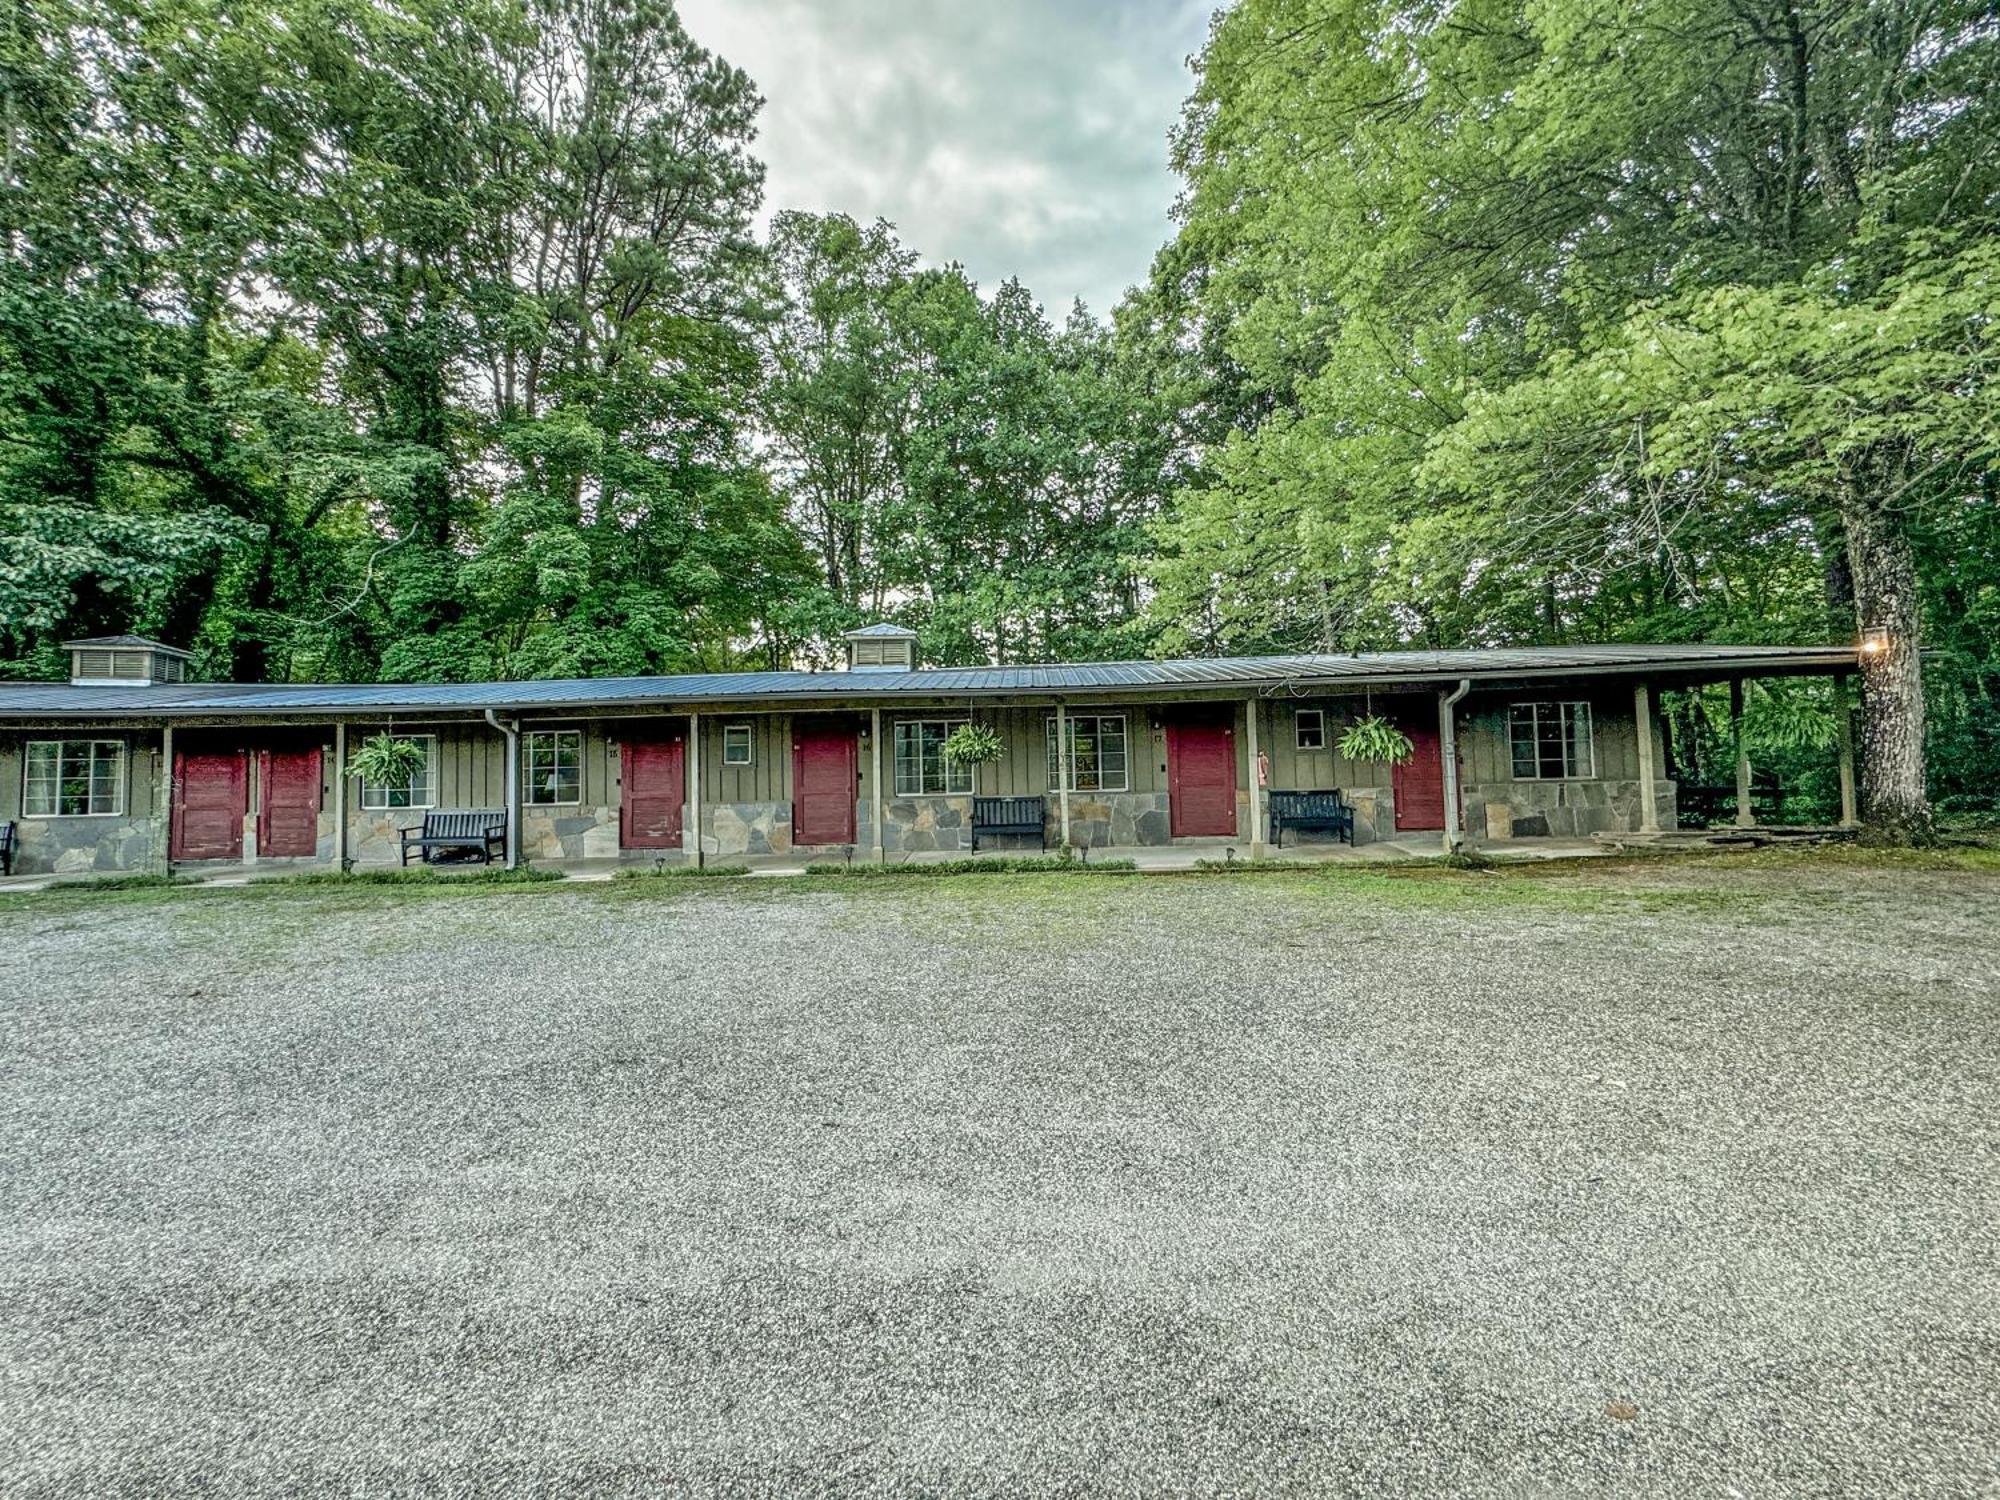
[
  {"x": 340, "y": 796},
  {"x": 162, "y": 859},
  {"x": 1256, "y": 785},
  {"x": 1062, "y": 769},
  {"x": 1642, "y": 714},
  {"x": 877, "y": 850},
  {"x": 1843, "y": 714},
  {"x": 696, "y": 852},
  {"x": 1745, "y": 815}
]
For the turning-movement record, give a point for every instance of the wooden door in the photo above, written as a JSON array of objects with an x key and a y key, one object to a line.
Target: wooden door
[
  {"x": 1419, "y": 781},
  {"x": 824, "y": 784},
  {"x": 1201, "y": 780},
  {"x": 288, "y": 784},
  {"x": 654, "y": 778},
  {"x": 210, "y": 798}
]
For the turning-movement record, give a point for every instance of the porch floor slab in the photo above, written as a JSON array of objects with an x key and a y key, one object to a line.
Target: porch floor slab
[{"x": 1153, "y": 859}]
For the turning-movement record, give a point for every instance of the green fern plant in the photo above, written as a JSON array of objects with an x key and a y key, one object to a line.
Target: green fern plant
[
  {"x": 1375, "y": 738},
  {"x": 973, "y": 745},
  {"x": 384, "y": 760}
]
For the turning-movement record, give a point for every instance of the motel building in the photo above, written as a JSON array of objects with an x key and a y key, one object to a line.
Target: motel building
[{"x": 130, "y": 767}]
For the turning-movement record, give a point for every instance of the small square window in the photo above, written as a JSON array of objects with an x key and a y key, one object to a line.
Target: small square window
[
  {"x": 920, "y": 764},
  {"x": 73, "y": 779},
  {"x": 1552, "y": 742},
  {"x": 552, "y": 762},
  {"x": 1311, "y": 728},
  {"x": 1096, "y": 753},
  {"x": 736, "y": 744}
]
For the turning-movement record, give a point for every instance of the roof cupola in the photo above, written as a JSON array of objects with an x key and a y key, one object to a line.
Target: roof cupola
[
  {"x": 881, "y": 648},
  {"x": 126, "y": 660}
]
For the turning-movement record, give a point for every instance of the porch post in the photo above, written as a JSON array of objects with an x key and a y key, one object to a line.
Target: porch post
[
  {"x": 695, "y": 854},
  {"x": 876, "y": 850},
  {"x": 340, "y": 796},
  {"x": 1062, "y": 768},
  {"x": 163, "y": 802},
  {"x": 1850, "y": 816},
  {"x": 1642, "y": 714},
  {"x": 1745, "y": 816},
  {"x": 510, "y": 764},
  {"x": 1256, "y": 788}
]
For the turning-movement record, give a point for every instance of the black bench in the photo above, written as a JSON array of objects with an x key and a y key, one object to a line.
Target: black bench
[
  {"x": 467, "y": 834},
  {"x": 10, "y": 839},
  {"x": 1022, "y": 815},
  {"x": 1321, "y": 812}
]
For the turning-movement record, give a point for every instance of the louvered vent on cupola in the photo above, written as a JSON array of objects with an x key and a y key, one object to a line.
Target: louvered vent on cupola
[
  {"x": 124, "y": 660},
  {"x": 881, "y": 648}
]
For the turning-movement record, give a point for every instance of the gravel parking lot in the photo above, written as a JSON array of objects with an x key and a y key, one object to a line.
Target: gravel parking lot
[{"x": 1654, "y": 1181}]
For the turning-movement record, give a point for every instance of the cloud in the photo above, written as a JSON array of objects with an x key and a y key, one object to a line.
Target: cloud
[{"x": 1020, "y": 137}]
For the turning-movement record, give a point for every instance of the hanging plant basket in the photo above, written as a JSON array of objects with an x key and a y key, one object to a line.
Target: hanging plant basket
[
  {"x": 973, "y": 745},
  {"x": 1375, "y": 738},
  {"x": 384, "y": 760}
]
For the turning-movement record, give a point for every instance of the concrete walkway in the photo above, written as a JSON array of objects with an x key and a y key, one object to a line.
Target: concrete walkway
[{"x": 1156, "y": 860}]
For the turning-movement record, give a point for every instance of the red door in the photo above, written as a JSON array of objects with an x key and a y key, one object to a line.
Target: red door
[
  {"x": 1201, "y": 780},
  {"x": 1419, "y": 781},
  {"x": 823, "y": 783},
  {"x": 288, "y": 814},
  {"x": 210, "y": 798},
  {"x": 655, "y": 784}
]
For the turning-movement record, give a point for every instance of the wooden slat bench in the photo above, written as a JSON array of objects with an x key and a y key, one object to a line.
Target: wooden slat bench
[
  {"x": 481, "y": 833},
  {"x": 1017, "y": 815},
  {"x": 1320, "y": 812},
  {"x": 10, "y": 839}
]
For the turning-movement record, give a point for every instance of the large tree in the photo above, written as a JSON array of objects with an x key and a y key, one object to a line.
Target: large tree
[{"x": 1421, "y": 232}]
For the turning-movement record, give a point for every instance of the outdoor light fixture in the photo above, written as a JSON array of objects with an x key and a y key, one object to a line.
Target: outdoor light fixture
[{"x": 1874, "y": 640}]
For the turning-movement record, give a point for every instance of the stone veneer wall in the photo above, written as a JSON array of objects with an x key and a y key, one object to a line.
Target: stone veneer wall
[
  {"x": 322, "y": 848},
  {"x": 78, "y": 846},
  {"x": 1099, "y": 820},
  {"x": 743, "y": 828},
  {"x": 1563, "y": 809}
]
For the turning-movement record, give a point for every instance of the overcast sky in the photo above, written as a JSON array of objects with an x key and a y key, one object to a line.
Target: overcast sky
[{"x": 1021, "y": 137}]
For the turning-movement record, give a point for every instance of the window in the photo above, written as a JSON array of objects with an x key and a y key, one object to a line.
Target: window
[
  {"x": 1552, "y": 741},
  {"x": 1310, "y": 726},
  {"x": 920, "y": 763},
  {"x": 419, "y": 791},
  {"x": 736, "y": 744},
  {"x": 1096, "y": 753},
  {"x": 73, "y": 779},
  {"x": 554, "y": 767}
]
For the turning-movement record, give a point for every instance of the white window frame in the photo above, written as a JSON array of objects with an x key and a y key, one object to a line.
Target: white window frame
[
  {"x": 1299, "y": 717},
  {"x": 749, "y": 734},
  {"x": 529, "y": 790},
  {"x": 1566, "y": 710},
  {"x": 372, "y": 795},
  {"x": 120, "y": 763},
  {"x": 950, "y": 776},
  {"x": 1097, "y": 733}
]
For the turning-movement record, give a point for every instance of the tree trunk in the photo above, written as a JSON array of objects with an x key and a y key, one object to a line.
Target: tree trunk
[{"x": 1896, "y": 805}]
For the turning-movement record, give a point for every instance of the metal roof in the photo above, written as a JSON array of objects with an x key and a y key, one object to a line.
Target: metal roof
[
  {"x": 1270, "y": 675},
  {"x": 883, "y": 630}
]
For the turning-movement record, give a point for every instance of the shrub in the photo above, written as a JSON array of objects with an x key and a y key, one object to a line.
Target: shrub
[
  {"x": 682, "y": 872},
  {"x": 1018, "y": 865}
]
